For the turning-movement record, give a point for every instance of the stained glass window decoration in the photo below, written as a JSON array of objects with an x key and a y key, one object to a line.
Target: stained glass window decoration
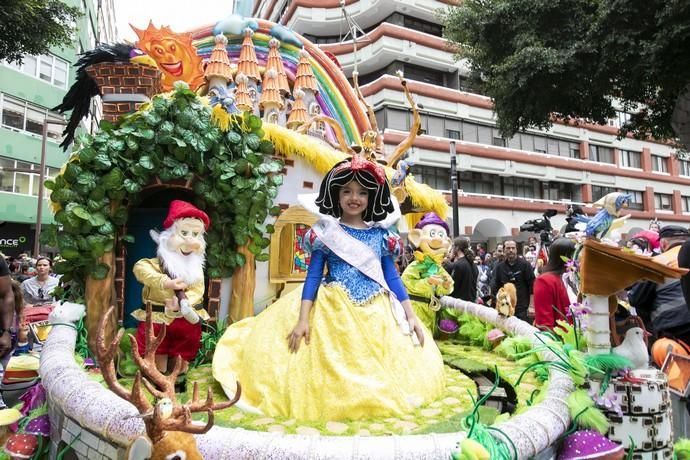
[{"x": 300, "y": 258}]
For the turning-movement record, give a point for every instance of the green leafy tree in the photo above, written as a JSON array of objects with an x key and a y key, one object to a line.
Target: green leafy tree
[
  {"x": 33, "y": 26},
  {"x": 571, "y": 58}
]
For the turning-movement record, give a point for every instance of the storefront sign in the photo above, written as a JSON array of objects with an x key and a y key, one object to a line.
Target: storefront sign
[{"x": 16, "y": 238}]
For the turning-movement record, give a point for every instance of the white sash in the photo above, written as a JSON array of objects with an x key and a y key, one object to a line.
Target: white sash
[{"x": 364, "y": 259}]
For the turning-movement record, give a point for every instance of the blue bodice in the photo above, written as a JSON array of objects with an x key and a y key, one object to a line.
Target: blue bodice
[{"x": 358, "y": 286}]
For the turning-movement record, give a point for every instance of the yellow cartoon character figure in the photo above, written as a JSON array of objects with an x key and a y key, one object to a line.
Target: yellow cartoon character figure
[
  {"x": 506, "y": 299},
  {"x": 425, "y": 278}
]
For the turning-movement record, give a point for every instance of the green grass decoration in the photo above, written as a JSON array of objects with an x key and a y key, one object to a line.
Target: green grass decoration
[
  {"x": 681, "y": 449},
  {"x": 209, "y": 340},
  {"x": 170, "y": 138},
  {"x": 126, "y": 366}
]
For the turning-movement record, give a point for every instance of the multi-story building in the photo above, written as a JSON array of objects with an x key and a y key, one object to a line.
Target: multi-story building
[
  {"x": 27, "y": 92},
  {"x": 502, "y": 182}
]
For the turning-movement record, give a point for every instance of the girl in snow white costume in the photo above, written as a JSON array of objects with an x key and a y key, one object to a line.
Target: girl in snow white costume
[{"x": 352, "y": 348}]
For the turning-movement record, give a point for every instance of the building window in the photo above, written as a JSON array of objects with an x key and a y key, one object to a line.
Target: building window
[
  {"x": 636, "y": 200},
  {"x": 559, "y": 191},
  {"x": 423, "y": 26},
  {"x": 685, "y": 203},
  {"x": 598, "y": 192},
  {"x": 630, "y": 159},
  {"x": 521, "y": 187},
  {"x": 437, "y": 178},
  {"x": 22, "y": 177},
  {"x": 453, "y": 134},
  {"x": 601, "y": 154},
  {"x": 684, "y": 167},
  {"x": 478, "y": 182},
  {"x": 659, "y": 164},
  {"x": 663, "y": 202},
  {"x": 19, "y": 114},
  {"x": 47, "y": 67}
]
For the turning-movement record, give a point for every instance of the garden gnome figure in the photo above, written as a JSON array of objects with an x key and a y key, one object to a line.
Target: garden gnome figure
[
  {"x": 174, "y": 284},
  {"x": 425, "y": 278}
]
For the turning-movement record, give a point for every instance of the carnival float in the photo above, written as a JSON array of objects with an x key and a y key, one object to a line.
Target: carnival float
[{"x": 242, "y": 118}]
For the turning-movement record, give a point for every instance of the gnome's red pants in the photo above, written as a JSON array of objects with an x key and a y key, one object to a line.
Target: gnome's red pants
[{"x": 181, "y": 338}]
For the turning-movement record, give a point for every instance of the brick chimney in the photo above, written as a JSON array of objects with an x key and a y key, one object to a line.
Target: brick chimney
[{"x": 124, "y": 87}]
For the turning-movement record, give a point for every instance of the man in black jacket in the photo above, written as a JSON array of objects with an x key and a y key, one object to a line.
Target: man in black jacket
[
  {"x": 517, "y": 271},
  {"x": 663, "y": 304}
]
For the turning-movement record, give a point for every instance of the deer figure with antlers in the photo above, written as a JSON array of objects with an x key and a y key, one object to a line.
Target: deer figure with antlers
[{"x": 169, "y": 425}]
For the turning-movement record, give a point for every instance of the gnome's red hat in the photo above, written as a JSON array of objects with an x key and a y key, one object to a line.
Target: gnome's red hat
[{"x": 180, "y": 209}]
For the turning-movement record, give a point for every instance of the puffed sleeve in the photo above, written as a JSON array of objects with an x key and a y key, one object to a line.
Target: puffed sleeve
[
  {"x": 313, "y": 243},
  {"x": 392, "y": 244}
]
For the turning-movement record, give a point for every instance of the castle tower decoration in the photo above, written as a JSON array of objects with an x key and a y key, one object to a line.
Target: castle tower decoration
[
  {"x": 242, "y": 99},
  {"x": 306, "y": 81},
  {"x": 298, "y": 114},
  {"x": 273, "y": 61},
  {"x": 248, "y": 65},
  {"x": 218, "y": 74},
  {"x": 271, "y": 102}
]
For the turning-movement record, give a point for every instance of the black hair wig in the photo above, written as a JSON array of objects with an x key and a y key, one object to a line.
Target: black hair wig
[{"x": 379, "y": 204}]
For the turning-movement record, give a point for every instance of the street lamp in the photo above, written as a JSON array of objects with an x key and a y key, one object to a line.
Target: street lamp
[{"x": 454, "y": 189}]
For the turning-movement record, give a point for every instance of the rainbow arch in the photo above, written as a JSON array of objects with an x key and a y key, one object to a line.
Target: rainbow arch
[{"x": 336, "y": 97}]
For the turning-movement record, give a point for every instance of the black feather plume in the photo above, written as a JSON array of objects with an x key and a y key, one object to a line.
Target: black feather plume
[{"x": 78, "y": 98}]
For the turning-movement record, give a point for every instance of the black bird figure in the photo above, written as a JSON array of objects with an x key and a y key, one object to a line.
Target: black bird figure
[{"x": 78, "y": 98}]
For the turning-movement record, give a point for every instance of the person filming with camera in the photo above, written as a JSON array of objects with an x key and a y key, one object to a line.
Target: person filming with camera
[{"x": 516, "y": 270}]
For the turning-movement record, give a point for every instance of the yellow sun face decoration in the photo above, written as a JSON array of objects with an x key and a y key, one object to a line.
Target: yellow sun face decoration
[{"x": 174, "y": 53}]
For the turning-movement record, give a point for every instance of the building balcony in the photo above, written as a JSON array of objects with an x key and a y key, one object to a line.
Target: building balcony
[{"x": 323, "y": 17}]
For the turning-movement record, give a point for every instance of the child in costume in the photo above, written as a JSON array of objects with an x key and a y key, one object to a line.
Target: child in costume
[
  {"x": 425, "y": 278},
  {"x": 347, "y": 346}
]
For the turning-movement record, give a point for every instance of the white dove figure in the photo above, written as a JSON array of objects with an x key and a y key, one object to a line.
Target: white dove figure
[{"x": 634, "y": 348}]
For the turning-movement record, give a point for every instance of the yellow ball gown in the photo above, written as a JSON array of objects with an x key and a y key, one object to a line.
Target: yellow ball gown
[{"x": 358, "y": 364}]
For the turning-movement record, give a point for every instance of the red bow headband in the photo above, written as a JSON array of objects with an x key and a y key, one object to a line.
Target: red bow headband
[{"x": 357, "y": 163}]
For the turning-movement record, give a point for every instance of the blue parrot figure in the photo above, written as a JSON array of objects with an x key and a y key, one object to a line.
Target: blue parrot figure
[
  {"x": 401, "y": 171},
  {"x": 603, "y": 221}
]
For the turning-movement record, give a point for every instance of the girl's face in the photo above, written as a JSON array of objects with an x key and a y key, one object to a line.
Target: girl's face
[
  {"x": 353, "y": 199},
  {"x": 43, "y": 267}
]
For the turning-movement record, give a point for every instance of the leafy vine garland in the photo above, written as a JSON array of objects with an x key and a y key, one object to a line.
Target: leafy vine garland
[{"x": 172, "y": 137}]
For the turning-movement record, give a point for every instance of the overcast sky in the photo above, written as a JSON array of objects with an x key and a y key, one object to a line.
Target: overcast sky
[{"x": 180, "y": 15}]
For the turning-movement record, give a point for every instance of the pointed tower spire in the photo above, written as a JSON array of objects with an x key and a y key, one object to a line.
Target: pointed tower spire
[
  {"x": 248, "y": 64},
  {"x": 218, "y": 67},
  {"x": 274, "y": 61},
  {"x": 270, "y": 95},
  {"x": 304, "y": 78},
  {"x": 242, "y": 99},
  {"x": 298, "y": 115}
]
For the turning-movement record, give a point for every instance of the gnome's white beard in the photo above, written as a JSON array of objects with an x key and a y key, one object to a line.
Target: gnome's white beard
[{"x": 189, "y": 268}]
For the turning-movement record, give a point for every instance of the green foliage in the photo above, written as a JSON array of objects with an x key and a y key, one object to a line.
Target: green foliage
[
  {"x": 33, "y": 26},
  {"x": 572, "y": 57},
  {"x": 209, "y": 340},
  {"x": 171, "y": 138}
]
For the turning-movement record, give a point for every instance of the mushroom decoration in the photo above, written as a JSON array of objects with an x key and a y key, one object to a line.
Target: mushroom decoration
[
  {"x": 40, "y": 426},
  {"x": 21, "y": 445},
  {"x": 590, "y": 445},
  {"x": 7, "y": 418},
  {"x": 495, "y": 336}
]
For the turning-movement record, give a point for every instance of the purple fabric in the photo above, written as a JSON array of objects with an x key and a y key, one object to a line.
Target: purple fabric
[{"x": 432, "y": 218}]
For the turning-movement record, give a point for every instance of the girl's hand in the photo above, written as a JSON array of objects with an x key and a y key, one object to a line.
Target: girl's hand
[
  {"x": 416, "y": 328},
  {"x": 295, "y": 337}
]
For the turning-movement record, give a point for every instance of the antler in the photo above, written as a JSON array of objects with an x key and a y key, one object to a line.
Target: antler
[
  {"x": 337, "y": 129},
  {"x": 182, "y": 419},
  {"x": 371, "y": 115},
  {"x": 159, "y": 384},
  {"x": 414, "y": 131},
  {"x": 106, "y": 359}
]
